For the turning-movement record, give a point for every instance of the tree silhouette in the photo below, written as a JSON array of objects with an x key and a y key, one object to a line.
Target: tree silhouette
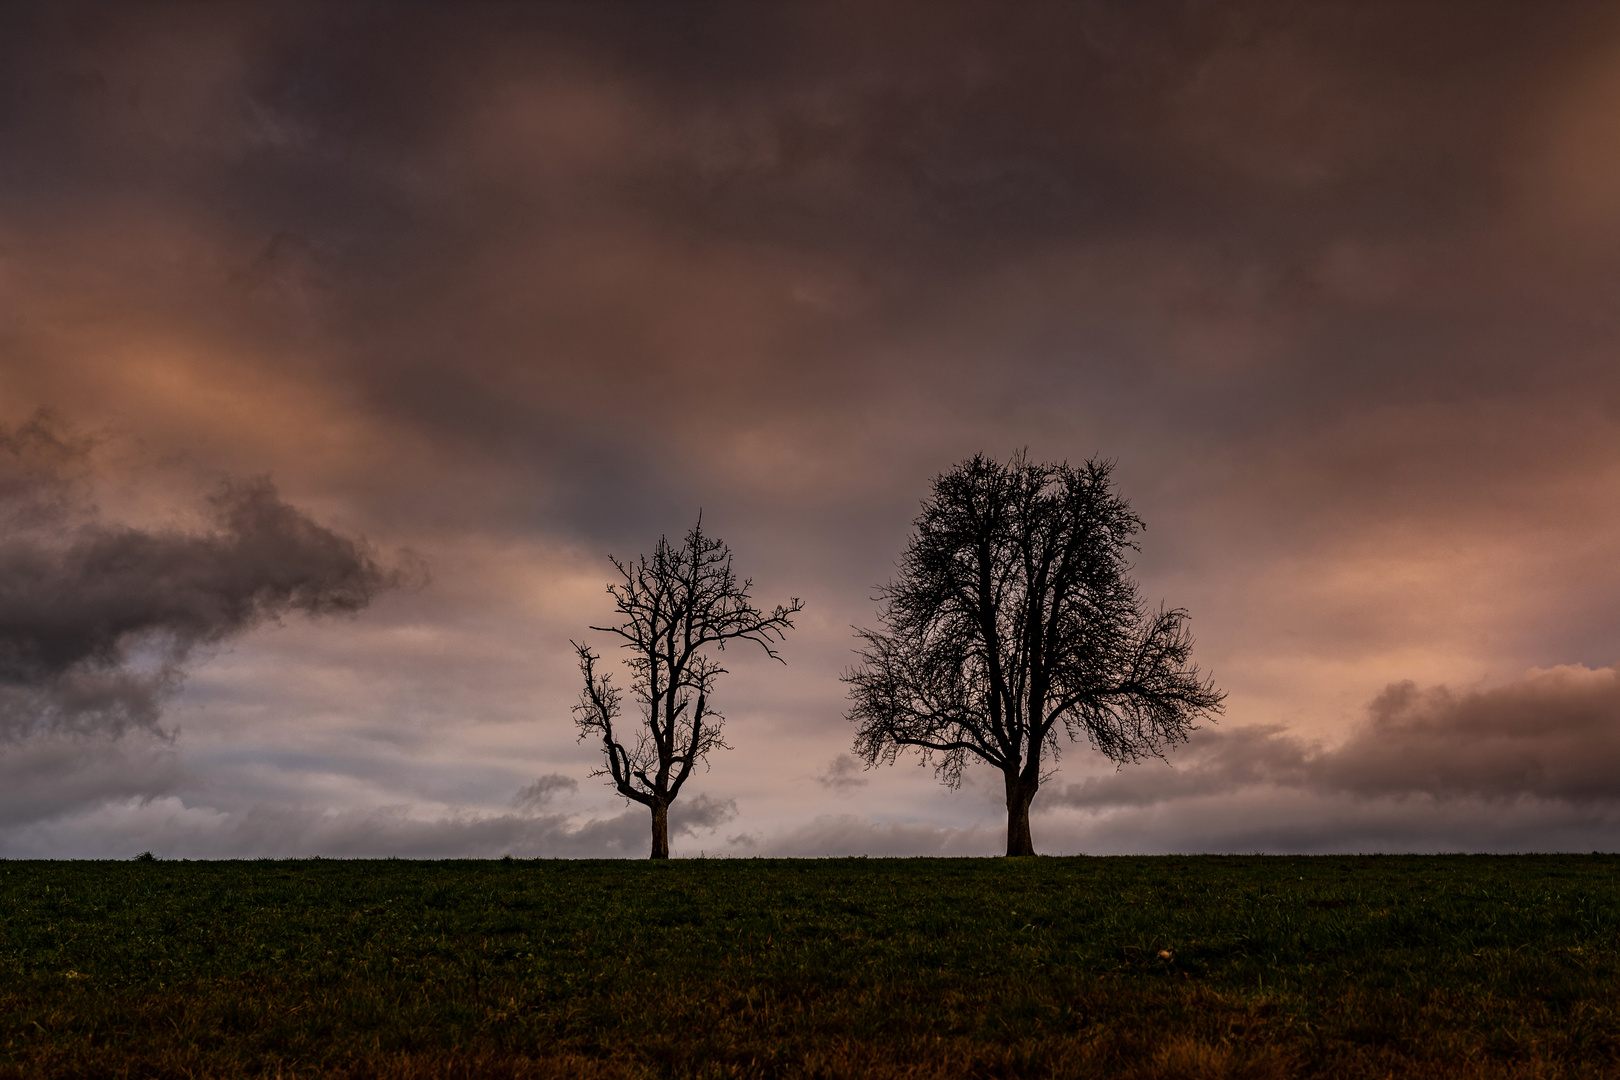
[
  {"x": 675, "y": 606},
  {"x": 1014, "y": 617}
]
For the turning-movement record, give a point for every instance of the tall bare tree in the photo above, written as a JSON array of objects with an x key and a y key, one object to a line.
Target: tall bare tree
[
  {"x": 1014, "y": 618},
  {"x": 676, "y": 606}
]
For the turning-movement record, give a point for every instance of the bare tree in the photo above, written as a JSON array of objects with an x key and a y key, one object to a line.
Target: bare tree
[
  {"x": 1014, "y": 618},
  {"x": 675, "y": 606}
]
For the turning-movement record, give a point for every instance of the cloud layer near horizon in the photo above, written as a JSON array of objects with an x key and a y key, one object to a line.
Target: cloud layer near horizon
[
  {"x": 516, "y": 287},
  {"x": 1553, "y": 736}
]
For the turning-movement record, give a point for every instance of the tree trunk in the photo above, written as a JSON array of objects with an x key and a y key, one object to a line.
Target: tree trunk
[
  {"x": 1019, "y": 797},
  {"x": 660, "y": 830}
]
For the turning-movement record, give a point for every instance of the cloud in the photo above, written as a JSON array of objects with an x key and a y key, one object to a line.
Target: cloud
[
  {"x": 174, "y": 824},
  {"x": 55, "y": 774},
  {"x": 1553, "y": 735},
  {"x": 1301, "y": 821},
  {"x": 1216, "y": 762},
  {"x": 97, "y": 620},
  {"x": 543, "y": 790},
  {"x": 41, "y": 461},
  {"x": 703, "y": 812},
  {"x": 851, "y": 834},
  {"x": 842, "y": 775},
  {"x": 171, "y": 825}
]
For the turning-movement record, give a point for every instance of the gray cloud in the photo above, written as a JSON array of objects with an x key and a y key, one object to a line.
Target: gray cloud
[
  {"x": 1553, "y": 735},
  {"x": 1218, "y": 761},
  {"x": 1297, "y": 820},
  {"x": 55, "y": 774},
  {"x": 842, "y": 775},
  {"x": 699, "y": 813},
  {"x": 851, "y": 834},
  {"x": 543, "y": 790},
  {"x": 169, "y": 827},
  {"x": 97, "y": 620},
  {"x": 114, "y": 823}
]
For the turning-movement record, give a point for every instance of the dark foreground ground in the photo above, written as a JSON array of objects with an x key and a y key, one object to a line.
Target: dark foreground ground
[{"x": 1139, "y": 967}]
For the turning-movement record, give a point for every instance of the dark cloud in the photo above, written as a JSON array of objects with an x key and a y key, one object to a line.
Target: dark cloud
[
  {"x": 97, "y": 620},
  {"x": 1553, "y": 736},
  {"x": 1186, "y": 189}
]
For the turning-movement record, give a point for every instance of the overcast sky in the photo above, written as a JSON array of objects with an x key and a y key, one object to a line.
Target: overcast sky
[{"x": 340, "y": 346}]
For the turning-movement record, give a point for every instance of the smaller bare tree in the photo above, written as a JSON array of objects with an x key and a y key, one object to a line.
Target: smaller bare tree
[{"x": 675, "y": 606}]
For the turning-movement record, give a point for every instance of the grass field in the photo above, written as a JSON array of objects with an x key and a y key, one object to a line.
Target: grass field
[{"x": 1120, "y": 967}]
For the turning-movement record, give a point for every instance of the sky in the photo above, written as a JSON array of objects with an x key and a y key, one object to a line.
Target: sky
[{"x": 341, "y": 345}]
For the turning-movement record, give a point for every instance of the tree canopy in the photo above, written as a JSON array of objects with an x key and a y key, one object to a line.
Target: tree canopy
[{"x": 1014, "y": 620}]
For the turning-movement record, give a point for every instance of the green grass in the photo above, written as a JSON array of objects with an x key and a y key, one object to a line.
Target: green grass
[{"x": 1325, "y": 966}]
